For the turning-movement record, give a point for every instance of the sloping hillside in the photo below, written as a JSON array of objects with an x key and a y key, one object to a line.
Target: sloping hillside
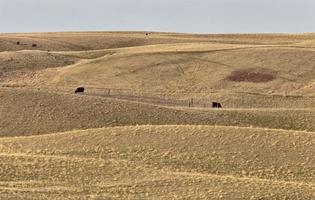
[
  {"x": 144, "y": 127},
  {"x": 188, "y": 69},
  {"x": 13, "y": 64},
  {"x": 171, "y": 63},
  {"x": 28, "y": 112},
  {"x": 160, "y": 162}
]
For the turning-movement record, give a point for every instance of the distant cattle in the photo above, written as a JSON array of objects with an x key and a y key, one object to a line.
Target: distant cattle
[
  {"x": 216, "y": 105},
  {"x": 79, "y": 90},
  {"x": 34, "y": 45},
  {"x": 147, "y": 34},
  {"x": 18, "y": 43}
]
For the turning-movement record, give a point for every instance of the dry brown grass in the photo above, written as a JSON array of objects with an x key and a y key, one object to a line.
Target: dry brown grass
[
  {"x": 28, "y": 112},
  {"x": 14, "y": 64},
  {"x": 89, "y": 41},
  {"x": 164, "y": 70},
  {"x": 178, "y": 63},
  {"x": 259, "y": 146},
  {"x": 78, "y": 41},
  {"x": 250, "y": 75},
  {"x": 160, "y": 162}
]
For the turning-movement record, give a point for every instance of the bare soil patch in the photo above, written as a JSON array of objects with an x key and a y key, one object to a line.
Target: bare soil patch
[{"x": 250, "y": 75}]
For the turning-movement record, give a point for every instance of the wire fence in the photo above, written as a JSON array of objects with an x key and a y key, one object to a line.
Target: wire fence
[
  {"x": 156, "y": 98},
  {"x": 230, "y": 100}
]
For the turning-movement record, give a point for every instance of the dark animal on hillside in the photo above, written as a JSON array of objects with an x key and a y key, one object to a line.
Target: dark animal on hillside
[
  {"x": 216, "y": 105},
  {"x": 79, "y": 90},
  {"x": 147, "y": 34},
  {"x": 34, "y": 45},
  {"x": 18, "y": 43}
]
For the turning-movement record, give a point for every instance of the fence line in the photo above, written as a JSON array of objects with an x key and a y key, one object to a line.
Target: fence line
[
  {"x": 231, "y": 99},
  {"x": 228, "y": 100},
  {"x": 149, "y": 99}
]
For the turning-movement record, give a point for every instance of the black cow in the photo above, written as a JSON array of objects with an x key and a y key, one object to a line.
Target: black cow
[
  {"x": 34, "y": 45},
  {"x": 79, "y": 90},
  {"x": 18, "y": 43},
  {"x": 216, "y": 105}
]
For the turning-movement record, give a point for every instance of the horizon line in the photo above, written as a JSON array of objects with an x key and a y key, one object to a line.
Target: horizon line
[{"x": 156, "y": 31}]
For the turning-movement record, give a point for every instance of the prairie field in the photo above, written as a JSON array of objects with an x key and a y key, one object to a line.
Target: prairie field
[{"x": 144, "y": 128}]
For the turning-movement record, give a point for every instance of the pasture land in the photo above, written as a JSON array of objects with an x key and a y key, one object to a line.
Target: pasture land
[{"x": 144, "y": 128}]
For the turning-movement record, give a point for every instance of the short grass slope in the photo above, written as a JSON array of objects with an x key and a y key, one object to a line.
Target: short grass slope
[
  {"x": 195, "y": 68},
  {"x": 118, "y": 141},
  {"x": 27, "y": 112},
  {"x": 15, "y": 64},
  {"x": 160, "y": 162}
]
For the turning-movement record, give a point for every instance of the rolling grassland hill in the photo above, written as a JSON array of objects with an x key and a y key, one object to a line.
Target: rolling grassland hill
[
  {"x": 160, "y": 162},
  {"x": 219, "y": 68},
  {"x": 125, "y": 138},
  {"x": 28, "y": 112},
  {"x": 81, "y": 41}
]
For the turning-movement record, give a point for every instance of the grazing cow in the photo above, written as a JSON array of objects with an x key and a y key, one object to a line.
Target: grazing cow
[
  {"x": 18, "y": 43},
  {"x": 216, "y": 105},
  {"x": 79, "y": 90},
  {"x": 34, "y": 45},
  {"x": 147, "y": 34}
]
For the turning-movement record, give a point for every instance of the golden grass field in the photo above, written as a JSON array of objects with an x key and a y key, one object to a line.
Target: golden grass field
[{"x": 124, "y": 139}]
